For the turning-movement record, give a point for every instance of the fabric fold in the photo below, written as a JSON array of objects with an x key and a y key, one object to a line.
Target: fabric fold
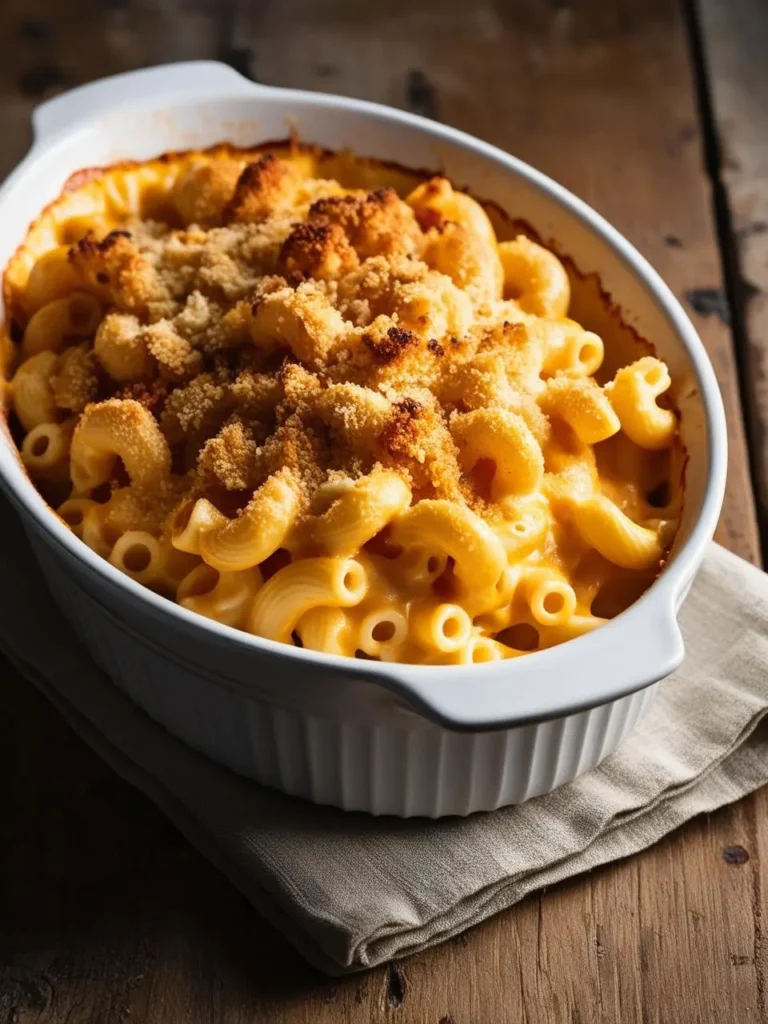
[{"x": 351, "y": 891}]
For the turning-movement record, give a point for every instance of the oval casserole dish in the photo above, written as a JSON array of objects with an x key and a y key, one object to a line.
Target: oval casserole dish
[{"x": 379, "y": 737}]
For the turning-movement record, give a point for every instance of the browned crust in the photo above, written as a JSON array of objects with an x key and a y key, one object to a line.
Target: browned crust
[
  {"x": 385, "y": 350},
  {"x": 315, "y": 248},
  {"x": 291, "y": 143},
  {"x": 398, "y": 436},
  {"x": 399, "y": 432},
  {"x": 259, "y": 183}
]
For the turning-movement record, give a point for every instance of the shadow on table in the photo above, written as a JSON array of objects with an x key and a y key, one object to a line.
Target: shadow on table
[{"x": 99, "y": 890}]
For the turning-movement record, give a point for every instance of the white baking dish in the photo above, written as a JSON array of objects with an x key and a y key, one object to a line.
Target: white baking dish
[{"x": 390, "y": 739}]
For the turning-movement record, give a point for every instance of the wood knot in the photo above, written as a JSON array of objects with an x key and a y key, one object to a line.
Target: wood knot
[
  {"x": 710, "y": 302},
  {"x": 397, "y": 986},
  {"x": 420, "y": 94},
  {"x": 23, "y": 991},
  {"x": 735, "y": 855}
]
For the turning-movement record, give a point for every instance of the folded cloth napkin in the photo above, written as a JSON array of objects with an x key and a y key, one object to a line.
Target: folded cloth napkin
[{"x": 351, "y": 891}]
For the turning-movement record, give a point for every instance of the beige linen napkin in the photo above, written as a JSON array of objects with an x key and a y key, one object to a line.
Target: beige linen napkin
[{"x": 351, "y": 891}]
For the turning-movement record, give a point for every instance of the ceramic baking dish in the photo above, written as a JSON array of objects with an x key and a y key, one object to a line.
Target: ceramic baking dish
[{"x": 383, "y": 738}]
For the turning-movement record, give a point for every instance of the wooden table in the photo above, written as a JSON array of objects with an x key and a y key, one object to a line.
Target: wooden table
[{"x": 656, "y": 114}]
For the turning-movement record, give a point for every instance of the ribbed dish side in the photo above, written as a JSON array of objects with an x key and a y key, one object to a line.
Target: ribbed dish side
[{"x": 401, "y": 765}]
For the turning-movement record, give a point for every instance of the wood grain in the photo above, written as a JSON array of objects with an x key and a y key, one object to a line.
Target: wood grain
[
  {"x": 735, "y": 36},
  {"x": 107, "y": 915}
]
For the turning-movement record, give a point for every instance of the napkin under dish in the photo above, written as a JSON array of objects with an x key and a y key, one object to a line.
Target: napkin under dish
[{"x": 351, "y": 891}]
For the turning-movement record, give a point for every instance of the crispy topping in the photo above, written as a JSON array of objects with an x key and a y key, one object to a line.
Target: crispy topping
[
  {"x": 229, "y": 458},
  {"x": 283, "y": 321},
  {"x": 121, "y": 269},
  {"x": 316, "y": 248},
  {"x": 77, "y": 382},
  {"x": 262, "y": 187},
  {"x": 204, "y": 189},
  {"x": 388, "y": 348},
  {"x": 152, "y": 395},
  {"x": 376, "y": 223},
  {"x": 174, "y": 354}
]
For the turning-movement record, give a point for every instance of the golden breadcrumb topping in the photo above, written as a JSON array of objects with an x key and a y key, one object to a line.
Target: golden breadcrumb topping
[
  {"x": 269, "y": 320},
  {"x": 333, "y": 368},
  {"x": 77, "y": 382},
  {"x": 289, "y": 322}
]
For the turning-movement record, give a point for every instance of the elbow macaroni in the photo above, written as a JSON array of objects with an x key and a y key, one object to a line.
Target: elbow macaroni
[
  {"x": 335, "y": 417},
  {"x": 54, "y": 324},
  {"x": 118, "y": 429},
  {"x": 252, "y": 537},
  {"x": 633, "y": 393}
]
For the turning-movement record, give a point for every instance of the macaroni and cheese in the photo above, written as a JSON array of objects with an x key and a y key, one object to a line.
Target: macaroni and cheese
[{"x": 336, "y": 404}]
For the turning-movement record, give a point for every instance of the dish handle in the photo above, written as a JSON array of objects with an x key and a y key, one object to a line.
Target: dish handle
[
  {"x": 203, "y": 78},
  {"x": 635, "y": 650}
]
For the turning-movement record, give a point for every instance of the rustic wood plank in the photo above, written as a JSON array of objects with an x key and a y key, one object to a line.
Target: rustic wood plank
[
  {"x": 108, "y": 914},
  {"x": 735, "y": 36}
]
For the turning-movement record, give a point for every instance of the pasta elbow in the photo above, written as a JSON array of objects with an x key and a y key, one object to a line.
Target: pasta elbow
[
  {"x": 535, "y": 278},
  {"x": 615, "y": 536},
  {"x": 504, "y": 438},
  {"x": 633, "y": 393}
]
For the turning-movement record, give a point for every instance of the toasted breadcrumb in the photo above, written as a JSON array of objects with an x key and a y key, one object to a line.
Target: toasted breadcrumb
[
  {"x": 284, "y": 322},
  {"x": 229, "y": 457},
  {"x": 317, "y": 248},
  {"x": 204, "y": 188},
  {"x": 77, "y": 382},
  {"x": 375, "y": 223},
  {"x": 120, "y": 270},
  {"x": 174, "y": 354}
]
